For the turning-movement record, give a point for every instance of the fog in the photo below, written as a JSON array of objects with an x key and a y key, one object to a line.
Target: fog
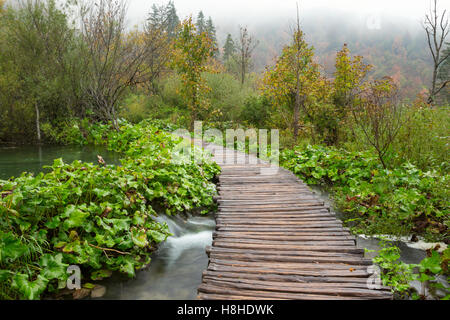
[{"x": 255, "y": 12}]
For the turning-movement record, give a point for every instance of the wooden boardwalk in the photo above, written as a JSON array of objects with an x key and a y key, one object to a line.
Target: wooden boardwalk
[{"x": 275, "y": 240}]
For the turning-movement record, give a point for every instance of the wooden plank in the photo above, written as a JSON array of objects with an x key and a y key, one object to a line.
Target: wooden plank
[
  {"x": 275, "y": 239},
  {"x": 287, "y": 284},
  {"x": 300, "y": 259},
  {"x": 289, "y": 237},
  {"x": 266, "y": 229},
  {"x": 308, "y": 242},
  {"x": 349, "y": 269},
  {"x": 304, "y": 253},
  {"x": 280, "y": 271},
  {"x": 334, "y": 291},
  {"x": 243, "y": 274},
  {"x": 247, "y": 294},
  {"x": 350, "y": 249}
]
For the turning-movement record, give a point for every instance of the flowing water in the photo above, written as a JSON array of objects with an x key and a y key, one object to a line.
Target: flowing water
[
  {"x": 15, "y": 160},
  {"x": 176, "y": 268}
]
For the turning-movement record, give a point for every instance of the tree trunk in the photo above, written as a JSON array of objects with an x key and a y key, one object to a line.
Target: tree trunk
[
  {"x": 433, "y": 87},
  {"x": 114, "y": 119},
  {"x": 193, "y": 112},
  {"x": 38, "y": 128},
  {"x": 296, "y": 118}
]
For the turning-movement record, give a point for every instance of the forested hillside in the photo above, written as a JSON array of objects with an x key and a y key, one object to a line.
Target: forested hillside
[{"x": 397, "y": 48}]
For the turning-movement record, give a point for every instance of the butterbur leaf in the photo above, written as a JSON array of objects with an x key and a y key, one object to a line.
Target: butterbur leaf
[
  {"x": 76, "y": 217},
  {"x": 128, "y": 268},
  {"x": 5, "y": 275},
  {"x": 11, "y": 248},
  {"x": 53, "y": 267},
  {"x": 53, "y": 223},
  {"x": 432, "y": 263},
  {"x": 59, "y": 245},
  {"x": 57, "y": 163},
  {"x": 157, "y": 236},
  {"x": 89, "y": 285},
  {"x": 30, "y": 290},
  {"x": 101, "y": 274},
  {"x": 139, "y": 237}
]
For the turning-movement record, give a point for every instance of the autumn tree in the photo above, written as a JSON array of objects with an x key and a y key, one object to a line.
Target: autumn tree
[
  {"x": 379, "y": 115},
  {"x": 115, "y": 61},
  {"x": 349, "y": 78},
  {"x": 192, "y": 50},
  {"x": 246, "y": 44},
  {"x": 437, "y": 27},
  {"x": 38, "y": 46},
  {"x": 294, "y": 79}
]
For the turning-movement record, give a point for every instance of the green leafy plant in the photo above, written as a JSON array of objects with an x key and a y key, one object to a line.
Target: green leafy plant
[
  {"x": 98, "y": 216},
  {"x": 401, "y": 201},
  {"x": 394, "y": 273}
]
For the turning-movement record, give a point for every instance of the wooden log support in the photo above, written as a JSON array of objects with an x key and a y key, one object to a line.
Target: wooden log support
[{"x": 275, "y": 239}]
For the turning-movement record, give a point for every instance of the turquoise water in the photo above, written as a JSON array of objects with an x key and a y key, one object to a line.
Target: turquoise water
[{"x": 15, "y": 160}]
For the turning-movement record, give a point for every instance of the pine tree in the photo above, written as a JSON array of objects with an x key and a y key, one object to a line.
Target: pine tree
[
  {"x": 173, "y": 21},
  {"x": 200, "y": 25},
  {"x": 211, "y": 31},
  {"x": 164, "y": 17},
  {"x": 229, "y": 49},
  {"x": 156, "y": 16}
]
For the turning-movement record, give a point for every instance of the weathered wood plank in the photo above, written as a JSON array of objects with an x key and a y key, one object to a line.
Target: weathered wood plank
[
  {"x": 243, "y": 274},
  {"x": 273, "y": 253},
  {"x": 300, "y": 259},
  {"x": 275, "y": 239},
  {"x": 278, "y": 283},
  {"x": 334, "y": 291}
]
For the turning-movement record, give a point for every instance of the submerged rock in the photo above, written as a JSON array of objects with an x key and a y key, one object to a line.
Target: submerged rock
[{"x": 98, "y": 292}]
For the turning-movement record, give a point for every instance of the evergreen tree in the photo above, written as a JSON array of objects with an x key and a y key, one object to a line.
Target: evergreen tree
[
  {"x": 172, "y": 19},
  {"x": 156, "y": 16},
  {"x": 201, "y": 24},
  {"x": 164, "y": 17},
  {"x": 211, "y": 31},
  {"x": 229, "y": 49}
]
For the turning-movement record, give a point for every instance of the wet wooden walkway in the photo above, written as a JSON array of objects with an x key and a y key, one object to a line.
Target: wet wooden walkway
[{"x": 275, "y": 240}]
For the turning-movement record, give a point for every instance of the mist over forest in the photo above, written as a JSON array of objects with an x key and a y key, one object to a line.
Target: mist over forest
[{"x": 395, "y": 45}]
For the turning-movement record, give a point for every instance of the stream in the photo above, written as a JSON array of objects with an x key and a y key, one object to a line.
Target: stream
[{"x": 176, "y": 268}]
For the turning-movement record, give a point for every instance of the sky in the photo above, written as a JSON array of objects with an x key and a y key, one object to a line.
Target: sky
[{"x": 250, "y": 12}]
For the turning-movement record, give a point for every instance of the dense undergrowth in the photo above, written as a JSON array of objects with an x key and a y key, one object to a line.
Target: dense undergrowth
[
  {"x": 403, "y": 201},
  {"x": 400, "y": 201},
  {"x": 97, "y": 216}
]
